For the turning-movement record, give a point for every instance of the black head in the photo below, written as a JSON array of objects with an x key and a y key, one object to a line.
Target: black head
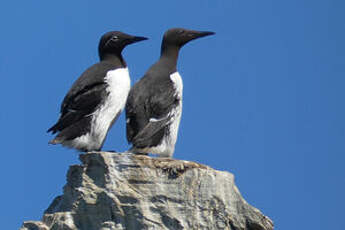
[
  {"x": 114, "y": 42},
  {"x": 179, "y": 36}
]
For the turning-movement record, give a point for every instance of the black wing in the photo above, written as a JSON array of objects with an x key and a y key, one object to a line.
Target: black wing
[
  {"x": 148, "y": 110},
  {"x": 83, "y": 104},
  {"x": 84, "y": 97}
]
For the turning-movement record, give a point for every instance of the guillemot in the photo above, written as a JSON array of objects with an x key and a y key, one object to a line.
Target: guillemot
[
  {"x": 154, "y": 104},
  {"x": 96, "y": 98}
]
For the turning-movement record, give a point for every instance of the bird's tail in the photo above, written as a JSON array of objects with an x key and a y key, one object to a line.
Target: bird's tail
[
  {"x": 53, "y": 129},
  {"x": 136, "y": 151},
  {"x": 55, "y": 141}
]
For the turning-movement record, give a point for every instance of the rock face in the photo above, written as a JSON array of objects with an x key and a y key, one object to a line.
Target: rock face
[{"x": 123, "y": 191}]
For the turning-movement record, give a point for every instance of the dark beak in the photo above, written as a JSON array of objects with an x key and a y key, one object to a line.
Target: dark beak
[
  {"x": 193, "y": 34},
  {"x": 205, "y": 33},
  {"x": 137, "y": 39}
]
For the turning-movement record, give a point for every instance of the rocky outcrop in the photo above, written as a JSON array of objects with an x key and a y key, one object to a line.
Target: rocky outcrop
[{"x": 111, "y": 191}]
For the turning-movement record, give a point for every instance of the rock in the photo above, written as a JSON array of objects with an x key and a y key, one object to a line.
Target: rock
[{"x": 112, "y": 191}]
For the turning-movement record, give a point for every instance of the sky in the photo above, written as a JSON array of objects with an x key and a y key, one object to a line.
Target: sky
[{"x": 263, "y": 98}]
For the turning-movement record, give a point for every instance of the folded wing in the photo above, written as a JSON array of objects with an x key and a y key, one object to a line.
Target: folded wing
[{"x": 148, "y": 112}]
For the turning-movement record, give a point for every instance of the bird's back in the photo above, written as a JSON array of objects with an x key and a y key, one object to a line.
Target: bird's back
[{"x": 150, "y": 98}]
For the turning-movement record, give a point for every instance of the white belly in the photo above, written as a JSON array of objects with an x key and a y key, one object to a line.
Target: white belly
[{"x": 103, "y": 118}]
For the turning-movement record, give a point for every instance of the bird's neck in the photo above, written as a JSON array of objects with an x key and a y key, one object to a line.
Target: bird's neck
[
  {"x": 116, "y": 59},
  {"x": 169, "y": 54}
]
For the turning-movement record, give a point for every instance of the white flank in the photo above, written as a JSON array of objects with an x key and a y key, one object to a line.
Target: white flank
[
  {"x": 118, "y": 81},
  {"x": 167, "y": 146}
]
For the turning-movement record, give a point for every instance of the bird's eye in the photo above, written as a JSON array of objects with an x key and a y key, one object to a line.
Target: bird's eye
[
  {"x": 115, "y": 38},
  {"x": 180, "y": 31}
]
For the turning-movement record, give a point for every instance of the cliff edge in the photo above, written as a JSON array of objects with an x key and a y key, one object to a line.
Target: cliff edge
[{"x": 112, "y": 191}]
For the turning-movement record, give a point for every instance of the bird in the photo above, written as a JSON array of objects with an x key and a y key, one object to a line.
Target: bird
[
  {"x": 96, "y": 98},
  {"x": 154, "y": 104}
]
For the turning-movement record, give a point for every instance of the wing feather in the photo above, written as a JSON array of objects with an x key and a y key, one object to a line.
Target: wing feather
[
  {"x": 85, "y": 95},
  {"x": 148, "y": 111},
  {"x": 81, "y": 105}
]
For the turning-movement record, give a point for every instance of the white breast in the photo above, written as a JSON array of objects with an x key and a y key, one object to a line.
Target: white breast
[
  {"x": 119, "y": 86},
  {"x": 118, "y": 89},
  {"x": 103, "y": 118},
  {"x": 175, "y": 113},
  {"x": 178, "y": 84}
]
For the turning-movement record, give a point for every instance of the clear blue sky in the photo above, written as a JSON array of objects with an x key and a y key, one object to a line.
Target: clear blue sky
[{"x": 263, "y": 99}]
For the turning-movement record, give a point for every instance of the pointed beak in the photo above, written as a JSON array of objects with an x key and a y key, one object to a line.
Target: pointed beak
[
  {"x": 135, "y": 39},
  {"x": 194, "y": 34},
  {"x": 205, "y": 33},
  {"x": 199, "y": 34}
]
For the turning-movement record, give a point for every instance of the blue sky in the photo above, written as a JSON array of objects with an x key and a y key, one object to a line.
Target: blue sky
[{"x": 263, "y": 98}]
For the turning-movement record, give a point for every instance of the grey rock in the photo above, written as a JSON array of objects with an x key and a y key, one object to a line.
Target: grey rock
[{"x": 112, "y": 191}]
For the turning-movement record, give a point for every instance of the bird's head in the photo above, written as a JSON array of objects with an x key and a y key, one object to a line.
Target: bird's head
[
  {"x": 115, "y": 41},
  {"x": 179, "y": 36}
]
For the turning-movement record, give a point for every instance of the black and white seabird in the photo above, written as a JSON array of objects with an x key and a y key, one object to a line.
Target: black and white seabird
[
  {"x": 154, "y": 105},
  {"x": 96, "y": 98}
]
